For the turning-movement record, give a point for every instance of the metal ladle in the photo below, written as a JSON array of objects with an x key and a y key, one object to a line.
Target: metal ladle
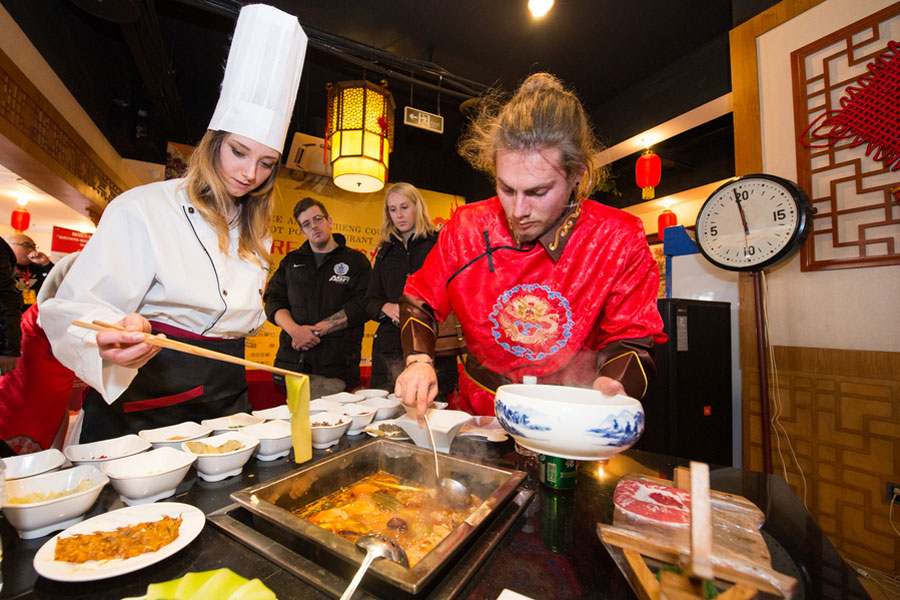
[
  {"x": 450, "y": 490},
  {"x": 376, "y": 546}
]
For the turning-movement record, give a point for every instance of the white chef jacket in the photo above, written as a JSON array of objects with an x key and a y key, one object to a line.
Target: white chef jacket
[{"x": 152, "y": 254}]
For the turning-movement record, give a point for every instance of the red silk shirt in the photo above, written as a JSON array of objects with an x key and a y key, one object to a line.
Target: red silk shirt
[{"x": 544, "y": 308}]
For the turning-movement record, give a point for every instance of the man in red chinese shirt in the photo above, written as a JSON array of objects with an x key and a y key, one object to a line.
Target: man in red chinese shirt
[{"x": 545, "y": 282}]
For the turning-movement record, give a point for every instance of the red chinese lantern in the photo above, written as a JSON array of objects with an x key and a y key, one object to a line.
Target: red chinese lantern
[
  {"x": 647, "y": 173},
  {"x": 666, "y": 219},
  {"x": 20, "y": 219}
]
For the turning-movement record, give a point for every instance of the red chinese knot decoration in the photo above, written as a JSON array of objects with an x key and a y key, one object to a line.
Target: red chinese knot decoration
[
  {"x": 870, "y": 112},
  {"x": 647, "y": 173},
  {"x": 20, "y": 219}
]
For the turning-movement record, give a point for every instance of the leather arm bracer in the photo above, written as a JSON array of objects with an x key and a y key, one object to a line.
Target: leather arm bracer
[
  {"x": 418, "y": 327},
  {"x": 629, "y": 362}
]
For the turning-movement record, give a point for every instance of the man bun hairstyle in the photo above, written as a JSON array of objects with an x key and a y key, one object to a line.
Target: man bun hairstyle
[{"x": 541, "y": 114}]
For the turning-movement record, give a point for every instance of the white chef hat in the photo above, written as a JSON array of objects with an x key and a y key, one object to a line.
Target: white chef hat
[{"x": 262, "y": 76}]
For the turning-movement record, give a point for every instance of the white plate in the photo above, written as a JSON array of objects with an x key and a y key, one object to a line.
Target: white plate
[{"x": 191, "y": 526}]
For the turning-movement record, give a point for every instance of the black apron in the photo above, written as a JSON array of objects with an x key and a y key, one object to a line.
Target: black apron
[{"x": 171, "y": 388}]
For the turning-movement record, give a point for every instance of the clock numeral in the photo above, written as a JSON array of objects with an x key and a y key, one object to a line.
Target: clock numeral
[
  {"x": 779, "y": 215},
  {"x": 713, "y": 231},
  {"x": 749, "y": 251}
]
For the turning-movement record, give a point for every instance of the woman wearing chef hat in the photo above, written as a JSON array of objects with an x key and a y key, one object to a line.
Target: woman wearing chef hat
[{"x": 186, "y": 257}]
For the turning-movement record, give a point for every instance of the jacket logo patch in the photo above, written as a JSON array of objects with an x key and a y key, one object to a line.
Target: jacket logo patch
[
  {"x": 531, "y": 321},
  {"x": 340, "y": 273}
]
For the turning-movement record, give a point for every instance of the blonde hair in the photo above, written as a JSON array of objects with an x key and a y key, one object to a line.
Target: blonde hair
[
  {"x": 423, "y": 225},
  {"x": 541, "y": 114},
  {"x": 203, "y": 185}
]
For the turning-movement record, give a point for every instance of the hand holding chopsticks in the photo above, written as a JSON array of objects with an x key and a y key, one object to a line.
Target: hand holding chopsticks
[{"x": 164, "y": 342}]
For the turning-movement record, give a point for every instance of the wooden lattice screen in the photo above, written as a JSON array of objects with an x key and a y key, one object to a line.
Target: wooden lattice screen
[{"x": 857, "y": 197}]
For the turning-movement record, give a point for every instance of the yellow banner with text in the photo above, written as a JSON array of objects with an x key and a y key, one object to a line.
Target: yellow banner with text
[{"x": 356, "y": 216}]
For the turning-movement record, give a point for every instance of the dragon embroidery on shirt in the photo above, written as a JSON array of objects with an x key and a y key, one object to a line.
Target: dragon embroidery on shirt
[{"x": 531, "y": 321}]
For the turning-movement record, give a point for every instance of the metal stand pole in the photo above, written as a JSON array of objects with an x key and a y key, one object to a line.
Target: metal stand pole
[{"x": 761, "y": 343}]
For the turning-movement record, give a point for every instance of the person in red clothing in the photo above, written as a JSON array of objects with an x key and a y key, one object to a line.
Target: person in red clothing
[
  {"x": 34, "y": 397},
  {"x": 545, "y": 282}
]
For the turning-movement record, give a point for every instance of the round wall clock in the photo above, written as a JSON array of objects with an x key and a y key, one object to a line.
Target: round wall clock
[{"x": 754, "y": 222}]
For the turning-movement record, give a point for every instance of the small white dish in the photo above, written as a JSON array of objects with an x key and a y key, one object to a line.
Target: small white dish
[
  {"x": 372, "y": 393},
  {"x": 29, "y": 465},
  {"x": 37, "y": 519},
  {"x": 319, "y": 405},
  {"x": 343, "y": 397},
  {"x": 361, "y": 416},
  {"x": 324, "y": 436},
  {"x": 216, "y": 467},
  {"x": 149, "y": 476},
  {"x": 97, "y": 452},
  {"x": 275, "y": 413},
  {"x": 440, "y": 405},
  {"x": 172, "y": 435},
  {"x": 386, "y": 408},
  {"x": 378, "y": 430},
  {"x": 274, "y": 439},
  {"x": 232, "y": 422},
  {"x": 484, "y": 427},
  {"x": 445, "y": 424}
]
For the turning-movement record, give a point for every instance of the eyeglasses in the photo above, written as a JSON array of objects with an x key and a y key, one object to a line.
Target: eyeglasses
[
  {"x": 314, "y": 220},
  {"x": 25, "y": 244}
]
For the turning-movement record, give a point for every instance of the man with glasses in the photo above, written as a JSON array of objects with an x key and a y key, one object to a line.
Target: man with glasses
[
  {"x": 317, "y": 297},
  {"x": 32, "y": 267}
]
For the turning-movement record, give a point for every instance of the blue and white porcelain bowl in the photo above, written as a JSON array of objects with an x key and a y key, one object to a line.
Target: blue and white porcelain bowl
[{"x": 567, "y": 422}]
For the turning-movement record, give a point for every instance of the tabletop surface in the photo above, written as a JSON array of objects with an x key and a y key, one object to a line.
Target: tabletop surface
[{"x": 550, "y": 551}]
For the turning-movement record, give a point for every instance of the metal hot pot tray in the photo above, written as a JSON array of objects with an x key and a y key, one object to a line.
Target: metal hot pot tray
[{"x": 328, "y": 561}]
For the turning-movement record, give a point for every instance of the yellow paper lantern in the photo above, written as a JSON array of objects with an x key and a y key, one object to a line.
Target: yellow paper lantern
[{"x": 360, "y": 134}]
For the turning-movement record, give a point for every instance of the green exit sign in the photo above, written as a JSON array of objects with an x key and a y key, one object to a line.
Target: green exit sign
[{"x": 423, "y": 120}]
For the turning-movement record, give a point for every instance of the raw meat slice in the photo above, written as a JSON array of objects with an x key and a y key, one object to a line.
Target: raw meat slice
[{"x": 654, "y": 501}]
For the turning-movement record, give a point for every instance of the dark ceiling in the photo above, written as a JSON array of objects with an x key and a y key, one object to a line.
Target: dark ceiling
[{"x": 148, "y": 71}]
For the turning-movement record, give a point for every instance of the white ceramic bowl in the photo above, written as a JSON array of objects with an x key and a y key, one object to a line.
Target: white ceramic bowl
[
  {"x": 343, "y": 397},
  {"x": 274, "y": 439},
  {"x": 440, "y": 405},
  {"x": 216, "y": 467},
  {"x": 28, "y": 465},
  {"x": 319, "y": 405},
  {"x": 173, "y": 435},
  {"x": 445, "y": 424},
  {"x": 98, "y": 452},
  {"x": 372, "y": 393},
  {"x": 232, "y": 422},
  {"x": 567, "y": 422},
  {"x": 361, "y": 415},
  {"x": 276, "y": 412},
  {"x": 37, "y": 519},
  {"x": 386, "y": 408},
  {"x": 324, "y": 436},
  {"x": 148, "y": 476}
]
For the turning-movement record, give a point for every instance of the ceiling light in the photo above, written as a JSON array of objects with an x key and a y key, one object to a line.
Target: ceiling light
[{"x": 539, "y": 8}]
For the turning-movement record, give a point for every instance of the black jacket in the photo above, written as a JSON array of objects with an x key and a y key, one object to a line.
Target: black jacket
[
  {"x": 313, "y": 293},
  {"x": 10, "y": 303},
  {"x": 393, "y": 264}
]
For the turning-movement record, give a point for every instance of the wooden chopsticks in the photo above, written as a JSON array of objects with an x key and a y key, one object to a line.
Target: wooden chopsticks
[{"x": 164, "y": 342}]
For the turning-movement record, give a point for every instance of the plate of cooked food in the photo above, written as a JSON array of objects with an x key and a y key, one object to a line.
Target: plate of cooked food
[{"x": 119, "y": 542}]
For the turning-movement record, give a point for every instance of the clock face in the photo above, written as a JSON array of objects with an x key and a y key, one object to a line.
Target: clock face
[{"x": 753, "y": 222}]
